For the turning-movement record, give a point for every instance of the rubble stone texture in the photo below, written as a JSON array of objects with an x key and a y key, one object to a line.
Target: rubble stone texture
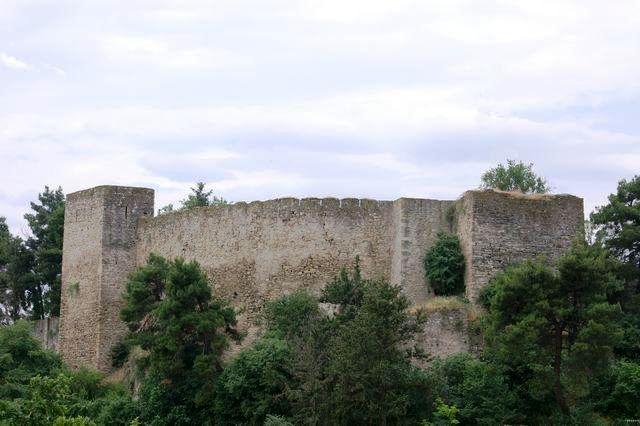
[{"x": 259, "y": 251}]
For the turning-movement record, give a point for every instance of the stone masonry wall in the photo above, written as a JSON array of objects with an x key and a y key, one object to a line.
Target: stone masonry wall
[
  {"x": 500, "y": 228},
  {"x": 259, "y": 251},
  {"x": 46, "y": 331}
]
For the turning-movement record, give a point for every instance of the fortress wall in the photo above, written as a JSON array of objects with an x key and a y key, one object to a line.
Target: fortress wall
[
  {"x": 416, "y": 224},
  {"x": 259, "y": 251},
  {"x": 508, "y": 227}
]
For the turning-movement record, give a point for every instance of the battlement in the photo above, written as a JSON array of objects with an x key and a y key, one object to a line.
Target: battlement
[{"x": 258, "y": 251}]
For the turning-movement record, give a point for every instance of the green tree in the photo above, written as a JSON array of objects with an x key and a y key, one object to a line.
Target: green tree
[
  {"x": 46, "y": 224},
  {"x": 183, "y": 330},
  {"x": 254, "y": 384},
  {"x": 515, "y": 176},
  {"x": 16, "y": 262},
  {"x": 369, "y": 358},
  {"x": 444, "y": 265},
  {"x": 620, "y": 221},
  {"x": 200, "y": 197},
  {"x": 552, "y": 331},
  {"x": 618, "y": 227},
  {"x": 22, "y": 358},
  {"x": 36, "y": 388},
  {"x": 479, "y": 389}
]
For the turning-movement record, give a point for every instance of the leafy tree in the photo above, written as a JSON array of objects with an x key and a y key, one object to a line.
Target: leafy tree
[
  {"x": 22, "y": 358},
  {"x": 620, "y": 397},
  {"x": 253, "y": 385},
  {"x": 444, "y": 265},
  {"x": 16, "y": 278},
  {"x": 515, "y": 176},
  {"x": 478, "y": 389},
  {"x": 46, "y": 224},
  {"x": 618, "y": 227},
  {"x": 166, "y": 209},
  {"x": 551, "y": 331},
  {"x": 200, "y": 197},
  {"x": 183, "y": 330},
  {"x": 369, "y": 367},
  {"x": 620, "y": 221},
  {"x": 36, "y": 388}
]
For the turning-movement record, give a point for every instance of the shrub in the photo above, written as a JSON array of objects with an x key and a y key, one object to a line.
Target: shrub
[{"x": 444, "y": 266}]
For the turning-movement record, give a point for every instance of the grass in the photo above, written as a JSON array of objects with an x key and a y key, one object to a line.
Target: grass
[{"x": 442, "y": 304}]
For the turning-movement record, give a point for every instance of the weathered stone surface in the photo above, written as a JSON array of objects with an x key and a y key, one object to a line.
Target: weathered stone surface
[
  {"x": 259, "y": 251},
  {"x": 98, "y": 252},
  {"x": 46, "y": 330}
]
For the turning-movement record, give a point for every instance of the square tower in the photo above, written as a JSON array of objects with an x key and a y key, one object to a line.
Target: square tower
[{"x": 98, "y": 253}]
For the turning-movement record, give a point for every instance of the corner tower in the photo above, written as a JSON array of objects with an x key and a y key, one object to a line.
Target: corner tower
[{"x": 98, "y": 253}]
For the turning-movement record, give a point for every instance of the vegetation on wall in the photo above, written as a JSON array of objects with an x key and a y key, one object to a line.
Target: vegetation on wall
[
  {"x": 515, "y": 176},
  {"x": 444, "y": 265},
  {"x": 199, "y": 197}
]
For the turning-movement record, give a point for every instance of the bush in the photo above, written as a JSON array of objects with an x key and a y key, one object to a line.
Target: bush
[
  {"x": 253, "y": 384},
  {"x": 444, "y": 266}
]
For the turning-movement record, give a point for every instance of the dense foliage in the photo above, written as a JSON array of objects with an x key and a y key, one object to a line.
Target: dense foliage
[
  {"x": 618, "y": 226},
  {"x": 515, "y": 176},
  {"x": 550, "y": 331},
  {"x": 30, "y": 269},
  {"x": 353, "y": 367},
  {"x": 444, "y": 265},
  {"x": 36, "y": 389},
  {"x": 620, "y": 221},
  {"x": 183, "y": 330}
]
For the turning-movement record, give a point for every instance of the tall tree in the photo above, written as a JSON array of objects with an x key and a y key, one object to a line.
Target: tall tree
[
  {"x": 620, "y": 221},
  {"x": 515, "y": 176},
  {"x": 552, "y": 330},
  {"x": 183, "y": 331},
  {"x": 46, "y": 224},
  {"x": 618, "y": 227},
  {"x": 17, "y": 280},
  {"x": 201, "y": 197}
]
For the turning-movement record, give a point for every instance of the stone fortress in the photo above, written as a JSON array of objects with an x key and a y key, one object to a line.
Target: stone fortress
[{"x": 255, "y": 252}]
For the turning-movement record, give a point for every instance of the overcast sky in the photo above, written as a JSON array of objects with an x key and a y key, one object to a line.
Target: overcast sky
[{"x": 265, "y": 99}]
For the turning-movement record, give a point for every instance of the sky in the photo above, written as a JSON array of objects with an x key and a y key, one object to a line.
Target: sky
[{"x": 263, "y": 99}]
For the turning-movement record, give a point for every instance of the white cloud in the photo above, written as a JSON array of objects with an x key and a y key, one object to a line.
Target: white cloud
[
  {"x": 170, "y": 52},
  {"x": 13, "y": 62}
]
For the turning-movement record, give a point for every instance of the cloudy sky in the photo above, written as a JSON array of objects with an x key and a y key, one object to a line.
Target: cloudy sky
[{"x": 269, "y": 98}]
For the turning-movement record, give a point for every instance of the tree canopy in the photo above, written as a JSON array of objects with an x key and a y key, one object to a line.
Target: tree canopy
[
  {"x": 515, "y": 176},
  {"x": 30, "y": 269}
]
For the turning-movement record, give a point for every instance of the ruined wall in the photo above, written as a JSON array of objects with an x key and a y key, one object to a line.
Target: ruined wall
[
  {"x": 98, "y": 253},
  {"x": 259, "y": 251},
  {"x": 499, "y": 228}
]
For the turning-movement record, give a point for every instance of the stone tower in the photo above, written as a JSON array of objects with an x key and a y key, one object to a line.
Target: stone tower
[{"x": 99, "y": 252}]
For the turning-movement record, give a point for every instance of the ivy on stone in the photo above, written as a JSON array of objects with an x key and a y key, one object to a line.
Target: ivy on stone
[{"x": 444, "y": 265}]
